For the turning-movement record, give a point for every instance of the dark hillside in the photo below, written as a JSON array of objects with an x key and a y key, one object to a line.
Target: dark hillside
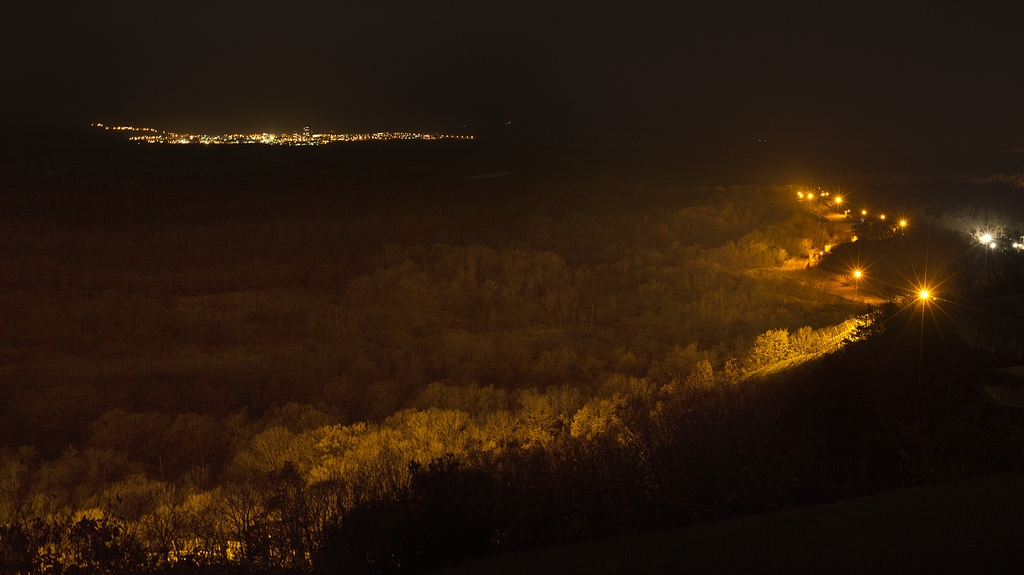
[{"x": 287, "y": 358}]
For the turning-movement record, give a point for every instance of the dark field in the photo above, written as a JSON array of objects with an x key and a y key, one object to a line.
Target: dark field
[{"x": 310, "y": 358}]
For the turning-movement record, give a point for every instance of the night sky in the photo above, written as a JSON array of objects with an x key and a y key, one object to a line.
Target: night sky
[{"x": 553, "y": 69}]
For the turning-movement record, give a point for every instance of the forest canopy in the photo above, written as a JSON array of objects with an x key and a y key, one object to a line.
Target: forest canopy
[{"x": 227, "y": 391}]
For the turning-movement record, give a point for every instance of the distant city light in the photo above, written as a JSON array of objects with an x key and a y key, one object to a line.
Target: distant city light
[
  {"x": 903, "y": 223},
  {"x": 924, "y": 295},
  {"x": 857, "y": 274},
  {"x": 303, "y": 138},
  {"x": 986, "y": 238},
  {"x": 882, "y": 217}
]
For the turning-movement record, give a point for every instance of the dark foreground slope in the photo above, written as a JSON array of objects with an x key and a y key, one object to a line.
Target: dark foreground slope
[{"x": 972, "y": 526}]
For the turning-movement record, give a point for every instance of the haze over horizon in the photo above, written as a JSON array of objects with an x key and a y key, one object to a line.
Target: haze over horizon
[{"x": 549, "y": 71}]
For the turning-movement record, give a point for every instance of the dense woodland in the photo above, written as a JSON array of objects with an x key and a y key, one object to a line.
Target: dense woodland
[{"x": 234, "y": 383}]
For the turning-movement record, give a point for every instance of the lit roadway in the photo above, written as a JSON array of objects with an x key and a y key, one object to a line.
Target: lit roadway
[{"x": 850, "y": 288}]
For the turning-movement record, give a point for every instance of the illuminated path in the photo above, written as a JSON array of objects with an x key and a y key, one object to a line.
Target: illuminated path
[
  {"x": 845, "y": 287},
  {"x": 838, "y": 337}
]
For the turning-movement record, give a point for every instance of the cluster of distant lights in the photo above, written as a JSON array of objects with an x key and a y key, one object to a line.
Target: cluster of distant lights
[
  {"x": 304, "y": 138},
  {"x": 985, "y": 238},
  {"x": 838, "y": 201},
  {"x": 924, "y": 295},
  {"x": 990, "y": 241}
]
